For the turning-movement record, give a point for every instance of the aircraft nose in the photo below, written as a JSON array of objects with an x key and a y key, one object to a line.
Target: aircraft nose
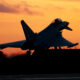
[{"x": 66, "y": 27}]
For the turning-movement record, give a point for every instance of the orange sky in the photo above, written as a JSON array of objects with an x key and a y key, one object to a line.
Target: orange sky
[{"x": 38, "y": 14}]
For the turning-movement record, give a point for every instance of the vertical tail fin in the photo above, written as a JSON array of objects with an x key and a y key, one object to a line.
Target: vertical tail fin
[{"x": 27, "y": 31}]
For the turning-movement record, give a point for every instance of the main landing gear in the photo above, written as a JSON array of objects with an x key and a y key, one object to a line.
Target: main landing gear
[{"x": 28, "y": 52}]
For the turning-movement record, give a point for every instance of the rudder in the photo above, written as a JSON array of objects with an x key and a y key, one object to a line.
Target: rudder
[{"x": 27, "y": 31}]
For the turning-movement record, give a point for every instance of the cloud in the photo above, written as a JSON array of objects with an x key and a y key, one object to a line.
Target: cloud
[
  {"x": 19, "y": 8},
  {"x": 7, "y": 9},
  {"x": 54, "y": 7},
  {"x": 23, "y": 3}
]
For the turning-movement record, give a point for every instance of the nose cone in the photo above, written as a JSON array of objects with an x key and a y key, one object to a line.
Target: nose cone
[{"x": 66, "y": 27}]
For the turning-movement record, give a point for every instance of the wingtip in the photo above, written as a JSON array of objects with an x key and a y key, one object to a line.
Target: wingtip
[{"x": 73, "y": 45}]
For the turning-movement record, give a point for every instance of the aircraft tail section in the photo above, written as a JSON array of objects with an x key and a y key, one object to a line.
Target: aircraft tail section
[{"x": 27, "y": 31}]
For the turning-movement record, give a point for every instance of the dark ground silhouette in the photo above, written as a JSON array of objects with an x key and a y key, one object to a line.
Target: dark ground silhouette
[{"x": 49, "y": 61}]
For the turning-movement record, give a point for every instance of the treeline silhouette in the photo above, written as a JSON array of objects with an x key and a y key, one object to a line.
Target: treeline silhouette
[{"x": 41, "y": 62}]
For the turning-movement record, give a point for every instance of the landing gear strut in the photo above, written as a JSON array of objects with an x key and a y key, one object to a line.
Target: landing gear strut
[{"x": 28, "y": 53}]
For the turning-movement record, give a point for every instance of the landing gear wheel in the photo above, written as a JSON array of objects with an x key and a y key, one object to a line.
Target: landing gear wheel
[{"x": 28, "y": 53}]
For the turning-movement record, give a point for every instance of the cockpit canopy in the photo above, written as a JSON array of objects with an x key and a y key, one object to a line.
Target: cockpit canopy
[{"x": 57, "y": 20}]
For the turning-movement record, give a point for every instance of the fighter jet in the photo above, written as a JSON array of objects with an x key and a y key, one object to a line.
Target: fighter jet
[{"x": 50, "y": 36}]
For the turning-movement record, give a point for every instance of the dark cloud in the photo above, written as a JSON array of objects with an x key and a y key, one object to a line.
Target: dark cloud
[
  {"x": 20, "y": 8},
  {"x": 27, "y": 8},
  {"x": 7, "y": 9},
  {"x": 30, "y": 6}
]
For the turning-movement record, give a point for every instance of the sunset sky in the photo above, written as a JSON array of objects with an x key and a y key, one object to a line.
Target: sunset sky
[{"x": 38, "y": 14}]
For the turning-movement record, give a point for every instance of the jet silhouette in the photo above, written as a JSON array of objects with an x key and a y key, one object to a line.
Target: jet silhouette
[{"x": 50, "y": 36}]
